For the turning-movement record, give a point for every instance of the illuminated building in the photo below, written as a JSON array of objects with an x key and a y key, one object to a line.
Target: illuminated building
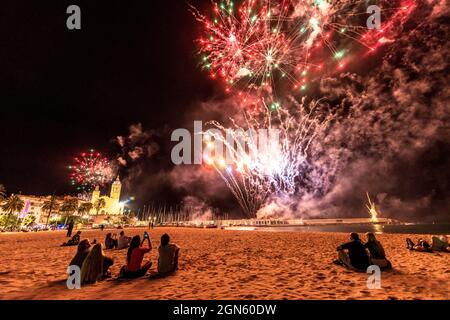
[{"x": 113, "y": 206}]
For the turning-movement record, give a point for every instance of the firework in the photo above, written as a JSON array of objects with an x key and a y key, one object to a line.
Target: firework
[
  {"x": 258, "y": 43},
  {"x": 91, "y": 169},
  {"x": 372, "y": 209},
  {"x": 256, "y": 47},
  {"x": 260, "y": 163}
]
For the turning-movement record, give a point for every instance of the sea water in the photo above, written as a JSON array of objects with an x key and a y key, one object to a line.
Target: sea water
[{"x": 412, "y": 228}]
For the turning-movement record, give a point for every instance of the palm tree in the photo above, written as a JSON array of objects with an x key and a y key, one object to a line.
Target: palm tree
[
  {"x": 69, "y": 206},
  {"x": 13, "y": 204},
  {"x": 2, "y": 192},
  {"x": 49, "y": 206},
  {"x": 85, "y": 208},
  {"x": 29, "y": 220},
  {"x": 99, "y": 204}
]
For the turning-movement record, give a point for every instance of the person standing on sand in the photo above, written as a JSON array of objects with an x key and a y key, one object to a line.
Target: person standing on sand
[
  {"x": 168, "y": 255},
  {"x": 356, "y": 256},
  {"x": 69, "y": 229}
]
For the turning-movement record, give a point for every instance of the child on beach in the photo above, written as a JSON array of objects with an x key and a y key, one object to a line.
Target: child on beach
[
  {"x": 95, "y": 266},
  {"x": 69, "y": 230},
  {"x": 135, "y": 255},
  {"x": 356, "y": 256},
  {"x": 168, "y": 255}
]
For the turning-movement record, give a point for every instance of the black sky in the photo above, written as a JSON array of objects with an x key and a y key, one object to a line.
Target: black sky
[{"x": 63, "y": 92}]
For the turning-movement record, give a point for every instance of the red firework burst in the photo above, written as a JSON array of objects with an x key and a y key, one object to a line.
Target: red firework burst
[{"x": 91, "y": 169}]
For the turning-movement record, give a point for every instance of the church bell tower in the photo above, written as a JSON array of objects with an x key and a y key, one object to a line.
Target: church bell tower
[
  {"x": 115, "y": 189},
  {"x": 95, "y": 194}
]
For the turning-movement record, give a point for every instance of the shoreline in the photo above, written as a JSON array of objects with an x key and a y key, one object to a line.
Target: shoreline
[
  {"x": 422, "y": 229},
  {"x": 225, "y": 264}
]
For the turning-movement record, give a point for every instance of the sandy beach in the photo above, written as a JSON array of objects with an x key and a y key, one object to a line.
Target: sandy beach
[{"x": 224, "y": 264}]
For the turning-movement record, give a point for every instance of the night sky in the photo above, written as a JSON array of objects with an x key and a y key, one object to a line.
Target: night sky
[
  {"x": 133, "y": 71},
  {"x": 64, "y": 92}
]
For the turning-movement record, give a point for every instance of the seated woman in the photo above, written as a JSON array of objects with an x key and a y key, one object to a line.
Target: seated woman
[
  {"x": 84, "y": 247},
  {"x": 95, "y": 266},
  {"x": 440, "y": 243},
  {"x": 110, "y": 241},
  {"x": 356, "y": 256},
  {"x": 74, "y": 241},
  {"x": 422, "y": 246},
  {"x": 135, "y": 255},
  {"x": 168, "y": 255},
  {"x": 377, "y": 255}
]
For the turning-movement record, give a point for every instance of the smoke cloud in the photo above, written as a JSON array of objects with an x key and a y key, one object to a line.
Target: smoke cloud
[
  {"x": 390, "y": 137},
  {"x": 393, "y": 127}
]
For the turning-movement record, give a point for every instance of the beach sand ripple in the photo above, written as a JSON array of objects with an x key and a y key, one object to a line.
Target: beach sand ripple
[{"x": 224, "y": 264}]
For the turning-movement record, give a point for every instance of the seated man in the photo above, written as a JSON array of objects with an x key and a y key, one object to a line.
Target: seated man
[
  {"x": 168, "y": 255},
  {"x": 74, "y": 241},
  {"x": 123, "y": 241},
  {"x": 357, "y": 257}
]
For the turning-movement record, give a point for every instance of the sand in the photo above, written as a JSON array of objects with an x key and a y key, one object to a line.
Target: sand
[{"x": 225, "y": 264}]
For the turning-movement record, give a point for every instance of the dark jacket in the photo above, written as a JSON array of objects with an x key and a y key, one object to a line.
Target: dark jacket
[{"x": 357, "y": 254}]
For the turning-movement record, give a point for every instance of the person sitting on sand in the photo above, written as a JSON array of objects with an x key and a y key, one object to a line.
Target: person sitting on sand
[
  {"x": 84, "y": 247},
  {"x": 440, "y": 243},
  {"x": 111, "y": 241},
  {"x": 168, "y": 255},
  {"x": 95, "y": 266},
  {"x": 123, "y": 241},
  {"x": 377, "y": 256},
  {"x": 421, "y": 246},
  {"x": 74, "y": 241},
  {"x": 135, "y": 255},
  {"x": 357, "y": 257}
]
